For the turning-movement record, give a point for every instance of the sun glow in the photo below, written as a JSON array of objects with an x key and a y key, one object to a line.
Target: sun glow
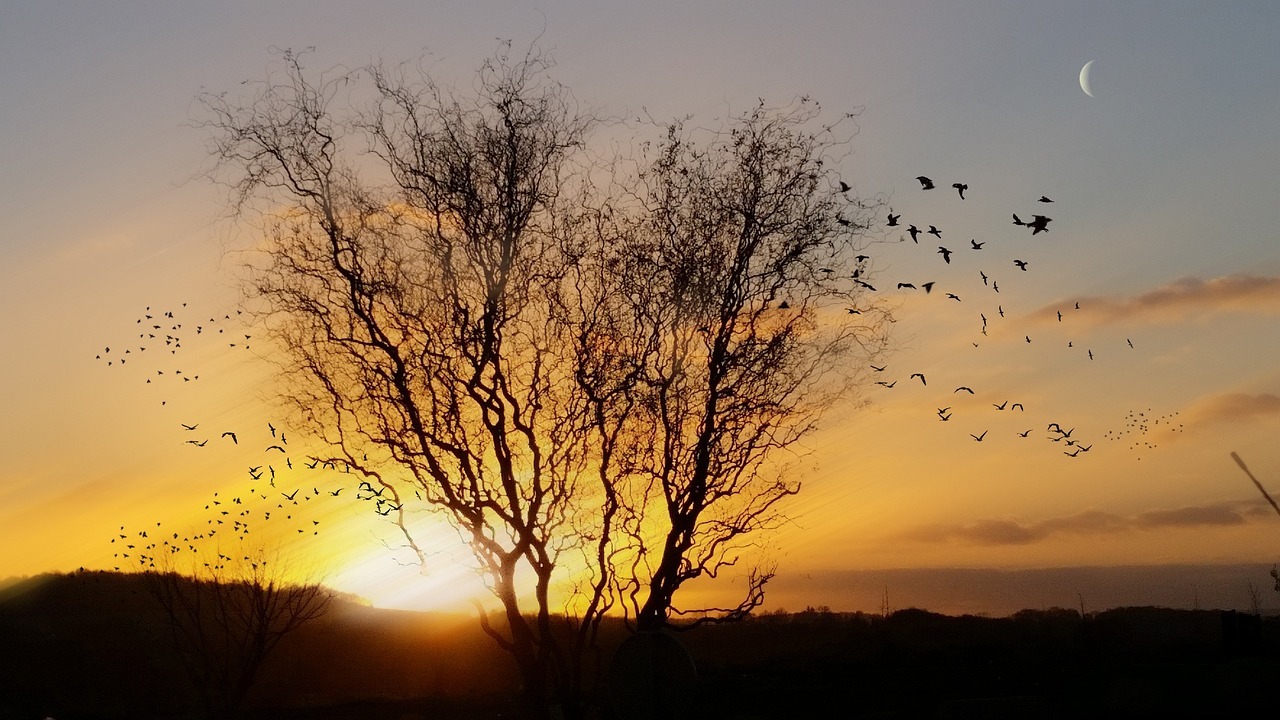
[{"x": 448, "y": 582}]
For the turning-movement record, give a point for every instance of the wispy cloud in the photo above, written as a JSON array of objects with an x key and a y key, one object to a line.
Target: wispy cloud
[
  {"x": 1092, "y": 522},
  {"x": 1233, "y": 407},
  {"x": 1180, "y": 300}
]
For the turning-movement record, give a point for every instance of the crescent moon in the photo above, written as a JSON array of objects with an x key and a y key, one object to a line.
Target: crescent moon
[{"x": 1084, "y": 78}]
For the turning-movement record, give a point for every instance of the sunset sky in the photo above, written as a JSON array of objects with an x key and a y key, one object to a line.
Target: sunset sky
[{"x": 1165, "y": 231}]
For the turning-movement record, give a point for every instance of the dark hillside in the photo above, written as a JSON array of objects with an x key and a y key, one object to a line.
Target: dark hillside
[{"x": 94, "y": 645}]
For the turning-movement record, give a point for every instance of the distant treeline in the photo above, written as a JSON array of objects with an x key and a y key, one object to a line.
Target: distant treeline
[{"x": 94, "y": 645}]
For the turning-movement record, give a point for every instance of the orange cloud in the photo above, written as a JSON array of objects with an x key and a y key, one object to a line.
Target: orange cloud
[
  {"x": 1092, "y": 522},
  {"x": 1233, "y": 407},
  {"x": 1182, "y": 299}
]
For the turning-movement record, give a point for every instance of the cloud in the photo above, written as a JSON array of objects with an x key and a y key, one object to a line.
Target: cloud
[
  {"x": 1092, "y": 522},
  {"x": 1233, "y": 407},
  {"x": 1180, "y": 300}
]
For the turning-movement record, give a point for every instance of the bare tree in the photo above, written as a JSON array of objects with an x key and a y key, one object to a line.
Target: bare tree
[
  {"x": 225, "y": 619},
  {"x": 742, "y": 231},
  {"x": 567, "y": 373}
]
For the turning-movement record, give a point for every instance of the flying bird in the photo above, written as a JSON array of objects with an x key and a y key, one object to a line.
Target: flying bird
[
  {"x": 984, "y": 277},
  {"x": 925, "y": 183},
  {"x": 1001, "y": 406},
  {"x": 1017, "y": 220},
  {"x": 887, "y": 384},
  {"x": 1044, "y": 199},
  {"x": 1022, "y": 265},
  {"x": 934, "y": 231},
  {"x": 189, "y": 427},
  {"x": 274, "y": 447},
  {"x": 945, "y": 253},
  {"x": 919, "y": 375},
  {"x": 964, "y": 388},
  {"x": 1017, "y": 406},
  {"x": 1024, "y": 434},
  {"x": 961, "y": 187},
  {"x": 1039, "y": 224},
  {"x": 879, "y": 369},
  {"x": 953, "y": 296},
  {"x": 844, "y": 187},
  {"x": 1129, "y": 341},
  {"x": 893, "y": 220},
  {"x": 976, "y": 245},
  {"x": 906, "y": 285},
  {"x": 978, "y": 437},
  {"x": 232, "y": 436},
  {"x": 913, "y": 231},
  {"x": 928, "y": 287}
]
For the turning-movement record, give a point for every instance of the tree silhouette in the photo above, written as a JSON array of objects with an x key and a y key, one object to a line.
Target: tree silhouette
[
  {"x": 225, "y": 620},
  {"x": 589, "y": 370}
]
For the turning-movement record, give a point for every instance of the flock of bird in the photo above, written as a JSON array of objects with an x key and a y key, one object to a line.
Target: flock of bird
[
  {"x": 1139, "y": 426},
  {"x": 163, "y": 333},
  {"x": 989, "y": 307},
  {"x": 272, "y": 494}
]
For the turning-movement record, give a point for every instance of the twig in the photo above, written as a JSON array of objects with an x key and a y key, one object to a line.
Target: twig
[{"x": 1255, "y": 482}]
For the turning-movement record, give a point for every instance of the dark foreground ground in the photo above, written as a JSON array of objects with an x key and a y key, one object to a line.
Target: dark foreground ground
[{"x": 91, "y": 646}]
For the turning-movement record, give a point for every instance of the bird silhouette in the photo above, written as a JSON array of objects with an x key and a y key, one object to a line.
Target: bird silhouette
[
  {"x": 976, "y": 245},
  {"x": 1022, "y": 265},
  {"x": 291, "y": 495},
  {"x": 189, "y": 427},
  {"x": 978, "y": 437},
  {"x": 961, "y": 187},
  {"x": 984, "y": 277},
  {"x": 274, "y": 447},
  {"x": 1025, "y": 434},
  {"x": 1017, "y": 220},
  {"x": 913, "y": 231},
  {"x": 934, "y": 231},
  {"x": 902, "y": 286},
  {"x": 945, "y": 253},
  {"x": 928, "y": 287},
  {"x": 1129, "y": 341},
  {"x": 1039, "y": 224},
  {"x": 879, "y": 369},
  {"x": 232, "y": 436},
  {"x": 887, "y": 384},
  {"x": 953, "y": 296},
  {"x": 1001, "y": 406},
  {"x": 1090, "y": 354},
  {"x": 964, "y": 388},
  {"x": 893, "y": 220},
  {"x": 1044, "y": 199},
  {"x": 844, "y": 187},
  {"x": 919, "y": 375},
  {"x": 1017, "y": 406},
  {"x": 925, "y": 183}
]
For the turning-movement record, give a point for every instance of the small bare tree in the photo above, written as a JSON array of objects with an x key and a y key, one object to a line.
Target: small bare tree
[
  {"x": 590, "y": 384},
  {"x": 226, "y": 618}
]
